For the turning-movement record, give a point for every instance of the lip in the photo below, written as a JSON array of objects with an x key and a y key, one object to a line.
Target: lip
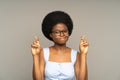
[{"x": 63, "y": 38}]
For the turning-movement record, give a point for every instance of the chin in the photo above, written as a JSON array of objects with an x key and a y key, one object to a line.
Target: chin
[{"x": 62, "y": 43}]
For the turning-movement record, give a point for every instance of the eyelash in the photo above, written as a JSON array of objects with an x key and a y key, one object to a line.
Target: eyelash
[{"x": 58, "y": 32}]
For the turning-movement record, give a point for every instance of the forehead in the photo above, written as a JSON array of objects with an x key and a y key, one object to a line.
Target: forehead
[{"x": 59, "y": 26}]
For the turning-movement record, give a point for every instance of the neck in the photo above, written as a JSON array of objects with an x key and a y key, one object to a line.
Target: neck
[{"x": 59, "y": 47}]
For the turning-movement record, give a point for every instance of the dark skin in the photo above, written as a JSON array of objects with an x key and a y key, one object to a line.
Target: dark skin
[{"x": 59, "y": 52}]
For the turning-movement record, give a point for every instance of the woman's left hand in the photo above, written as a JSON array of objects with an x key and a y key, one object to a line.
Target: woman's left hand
[{"x": 83, "y": 47}]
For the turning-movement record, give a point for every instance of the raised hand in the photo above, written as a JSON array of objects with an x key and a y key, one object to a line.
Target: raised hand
[
  {"x": 83, "y": 47},
  {"x": 35, "y": 47}
]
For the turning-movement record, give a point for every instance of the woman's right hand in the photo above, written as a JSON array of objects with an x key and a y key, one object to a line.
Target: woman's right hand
[{"x": 35, "y": 47}]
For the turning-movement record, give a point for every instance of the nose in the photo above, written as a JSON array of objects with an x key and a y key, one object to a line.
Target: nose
[{"x": 62, "y": 33}]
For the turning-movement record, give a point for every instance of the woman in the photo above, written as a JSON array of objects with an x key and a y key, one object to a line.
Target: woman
[{"x": 59, "y": 62}]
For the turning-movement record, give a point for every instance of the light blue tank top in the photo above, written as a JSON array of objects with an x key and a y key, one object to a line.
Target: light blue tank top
[{"x": 59, "y": 71}]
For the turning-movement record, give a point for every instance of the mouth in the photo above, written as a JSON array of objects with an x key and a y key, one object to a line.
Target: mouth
[{"x": 63, "y": 38}]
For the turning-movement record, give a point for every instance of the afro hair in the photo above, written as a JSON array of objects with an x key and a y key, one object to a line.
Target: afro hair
[{"x": 53, "y": 18}]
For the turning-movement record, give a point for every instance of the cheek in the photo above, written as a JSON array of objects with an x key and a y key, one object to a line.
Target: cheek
[
  {"x": 55, "y": 39},
  {"x": 60, "y": 39}
]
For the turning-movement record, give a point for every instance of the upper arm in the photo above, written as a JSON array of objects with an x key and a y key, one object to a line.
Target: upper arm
[
  {"x": 77, "y": 65},
  {"x": 42, "y": 63}
]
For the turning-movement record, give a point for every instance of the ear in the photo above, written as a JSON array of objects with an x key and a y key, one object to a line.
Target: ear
[{"x": 51, "y": 35}]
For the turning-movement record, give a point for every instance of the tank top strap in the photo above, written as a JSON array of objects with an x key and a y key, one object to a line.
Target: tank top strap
[
  {"x": 46, "y": 54},
  {"x": 73, "y": 56}
]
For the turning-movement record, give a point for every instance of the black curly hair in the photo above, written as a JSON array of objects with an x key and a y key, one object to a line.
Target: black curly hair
[{"x": 53, "y": 18}]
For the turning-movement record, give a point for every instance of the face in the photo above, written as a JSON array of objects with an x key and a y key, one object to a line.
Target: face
[{"x": 60, "y": 33}]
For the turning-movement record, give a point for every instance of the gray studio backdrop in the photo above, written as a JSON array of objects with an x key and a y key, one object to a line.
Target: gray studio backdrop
[{"x": 99, "y": 21}]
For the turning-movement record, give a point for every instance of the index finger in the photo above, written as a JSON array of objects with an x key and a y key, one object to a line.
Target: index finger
[
  {"x": 82, "y": 37},
  {"x": 36, "y": 38}
]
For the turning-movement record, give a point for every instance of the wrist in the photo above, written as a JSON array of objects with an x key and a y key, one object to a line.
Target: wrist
[
  {"x": 35, "y": 56},
  {"x": 83, "y": 54}
]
